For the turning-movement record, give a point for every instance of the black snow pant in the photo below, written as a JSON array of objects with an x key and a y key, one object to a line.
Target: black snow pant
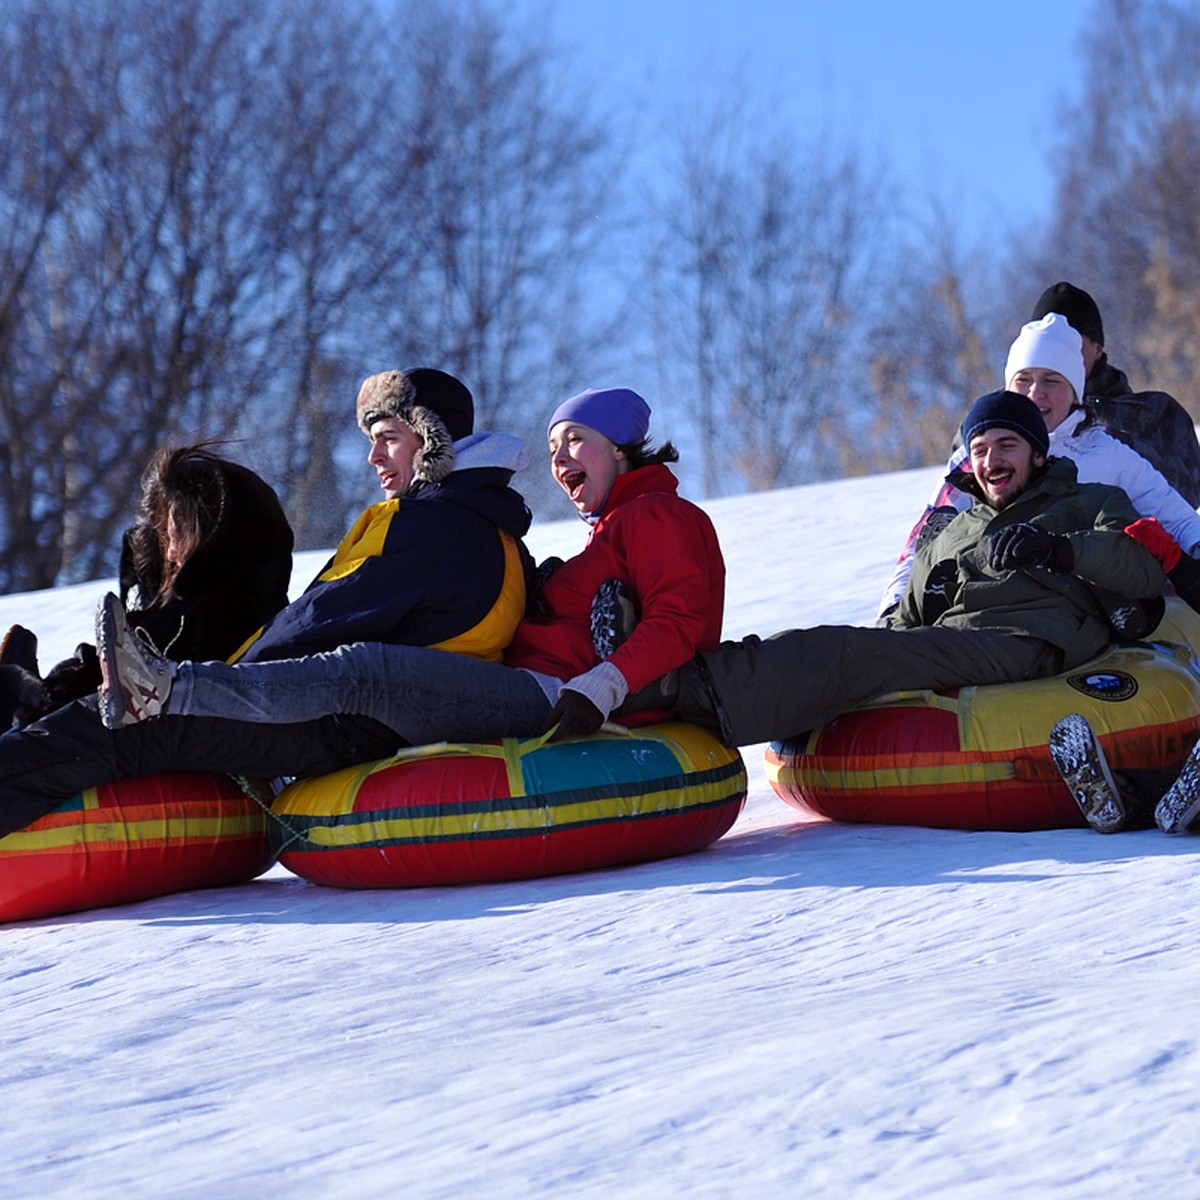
[
  {"x": 780, "y": 687},
  {"x": 56, "y": 758}
]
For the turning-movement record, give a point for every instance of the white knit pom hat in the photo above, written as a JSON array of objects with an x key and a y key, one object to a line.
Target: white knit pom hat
[{"x": 1049, "y": 343}]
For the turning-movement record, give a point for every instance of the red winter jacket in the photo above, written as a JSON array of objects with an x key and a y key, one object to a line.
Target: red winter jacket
[{"x": 666, "y": 551}]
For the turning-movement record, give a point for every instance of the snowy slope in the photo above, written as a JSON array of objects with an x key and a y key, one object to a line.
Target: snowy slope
[{"x": 805, "y": 1010}]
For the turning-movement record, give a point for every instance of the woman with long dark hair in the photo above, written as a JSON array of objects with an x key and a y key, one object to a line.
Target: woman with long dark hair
[{"x": 205, "y": 564}]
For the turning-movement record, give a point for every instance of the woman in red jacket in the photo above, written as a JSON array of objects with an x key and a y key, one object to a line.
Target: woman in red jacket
[{"x": 662, "y": 548}]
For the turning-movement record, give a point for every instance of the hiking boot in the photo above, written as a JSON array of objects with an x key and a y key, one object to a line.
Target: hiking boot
[
  {"x": 135, "y": 678},
  {"x": 1080, "y": 760},
  {"x": 1179, "y": 810},
  {"x": 659, "y": 693},
  {"x": 19, "y": 649},
  {"x": 614, "y": 617}
]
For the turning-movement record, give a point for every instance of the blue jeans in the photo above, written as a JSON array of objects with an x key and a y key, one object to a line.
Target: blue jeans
[{"x": 424, "y": 695}]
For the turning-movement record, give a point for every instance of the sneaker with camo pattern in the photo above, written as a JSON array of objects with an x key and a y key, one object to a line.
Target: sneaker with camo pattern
[
  {"x": 1081, "y": 762},
  {"x": 1179, "y": 810}
]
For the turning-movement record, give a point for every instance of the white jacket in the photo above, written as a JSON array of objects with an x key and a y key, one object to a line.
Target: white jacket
[{"x": 1100, "y": 458}]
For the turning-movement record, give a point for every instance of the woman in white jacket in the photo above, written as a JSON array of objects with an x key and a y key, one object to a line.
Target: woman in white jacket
[{"x": 1045, "y": 363}]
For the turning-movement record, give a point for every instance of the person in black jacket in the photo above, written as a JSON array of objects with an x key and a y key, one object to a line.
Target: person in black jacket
[
  {"x": 413, "y": 569},
  {"x": 1154, "y": 423},
  {"x": 206, "y": 563}
]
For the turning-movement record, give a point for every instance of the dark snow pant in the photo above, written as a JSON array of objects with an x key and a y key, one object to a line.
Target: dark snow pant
[
  {"x": 56, "y": 758},
  {"x": 777, "y": 688},
  {"x": 1141, "y": 789}
]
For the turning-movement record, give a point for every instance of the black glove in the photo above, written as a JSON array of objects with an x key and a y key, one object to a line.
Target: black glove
[
  {"x": 941, "y": 591},
  {"x": 1185, "y": 578},
  {"x": 1026, "y": 545},
  {"x": 535, "y": 600},
  {"x": 574, "y": 714},
  {"x": 74, "y": 677},
  {"x": 23, "y": 697}
]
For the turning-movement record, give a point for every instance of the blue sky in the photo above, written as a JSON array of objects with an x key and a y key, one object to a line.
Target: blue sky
[{"x": 963, "y": 99}]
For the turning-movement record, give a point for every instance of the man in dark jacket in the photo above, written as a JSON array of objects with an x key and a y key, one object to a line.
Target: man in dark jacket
[
  {"x": 438, "y": 562},
  {"x": 1155, "y": 424},
  {"x": 1006, "y": 592}
]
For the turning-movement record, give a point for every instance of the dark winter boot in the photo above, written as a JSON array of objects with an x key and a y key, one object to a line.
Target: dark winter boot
[
  {"x": 614, "y": 617},
  {"x": 19, "y": 649},
  {"x": 659, "y": 693},
  {"x": 1179, "y": 810},
  {"x": 688, "y": 693}
]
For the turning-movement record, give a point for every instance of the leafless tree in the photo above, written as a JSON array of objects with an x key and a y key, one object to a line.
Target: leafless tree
[
  {"x": 1127, "y": 227},
  {"x": 937, "y": 345},
  {"x": 762, "y": 284},
  {"x": 56, "y": 123},
  {"x": 340, "y": 148},
  {"x": 220, "y": 217},
  {"x": 141, "y": 271},
  {"x": 514, "y": 191}
]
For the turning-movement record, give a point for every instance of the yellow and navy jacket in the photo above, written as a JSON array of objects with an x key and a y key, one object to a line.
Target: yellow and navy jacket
[{"x": 442, "y": 566}]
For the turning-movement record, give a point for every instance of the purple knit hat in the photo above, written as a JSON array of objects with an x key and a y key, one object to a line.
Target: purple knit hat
[{"x": 618, "y": 413}]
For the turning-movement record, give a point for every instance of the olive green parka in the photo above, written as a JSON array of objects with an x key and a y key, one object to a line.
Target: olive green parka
[{"x": 954, "y": 587}]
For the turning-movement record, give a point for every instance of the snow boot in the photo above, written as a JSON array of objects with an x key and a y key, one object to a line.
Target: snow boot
[
  {"x": 135, "y": 680},
  {"x": 1179, "y": 810},
  {"x": 19, "y": 649},
  {"x": 687, "y": 693},
  {"x": 1081, "y": 762},
  {"x": 614, "y": 617}
]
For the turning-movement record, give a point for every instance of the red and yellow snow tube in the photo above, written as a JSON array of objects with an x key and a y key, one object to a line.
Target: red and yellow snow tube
[
  {"x": 978, "y": 758},
  {"x": 514, "y": 809},
  {"x": 133, "y": 840}
]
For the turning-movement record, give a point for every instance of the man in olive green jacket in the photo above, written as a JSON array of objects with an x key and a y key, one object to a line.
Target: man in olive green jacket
[{"x": 1011, "y": 589}]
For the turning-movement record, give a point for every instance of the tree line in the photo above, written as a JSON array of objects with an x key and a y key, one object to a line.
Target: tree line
[{"x": 219, "y": 217}]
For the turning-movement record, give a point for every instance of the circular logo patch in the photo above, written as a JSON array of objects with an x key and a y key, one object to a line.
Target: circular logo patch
[{"x": 1105, "y": 685}]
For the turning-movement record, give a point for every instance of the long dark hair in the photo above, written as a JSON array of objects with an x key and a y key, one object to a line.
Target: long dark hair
[
  {"x": 643, "y": 454},
  {"x": 184, "y": 487}
]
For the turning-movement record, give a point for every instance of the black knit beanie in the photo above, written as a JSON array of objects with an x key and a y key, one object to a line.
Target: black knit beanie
[
  {"x": 1007, "y": 410},
  {"x": 1074, "y": 304}
]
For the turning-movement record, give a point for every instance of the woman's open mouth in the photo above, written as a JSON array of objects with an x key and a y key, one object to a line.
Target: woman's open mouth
[{"x": 572, "y": 483}]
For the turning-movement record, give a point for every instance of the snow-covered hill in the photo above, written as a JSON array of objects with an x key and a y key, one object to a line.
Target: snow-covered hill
[{"x": 804, "y": 1010}]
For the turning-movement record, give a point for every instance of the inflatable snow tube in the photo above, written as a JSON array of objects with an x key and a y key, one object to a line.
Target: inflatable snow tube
[
  {"x": 512, "y": 809},
  {"x": 978, "y": 758},
  {"x": 133, "y": 840}
]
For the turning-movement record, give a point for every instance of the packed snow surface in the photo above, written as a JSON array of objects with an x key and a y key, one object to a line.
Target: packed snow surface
[{"x": 803, "y": 1010}]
